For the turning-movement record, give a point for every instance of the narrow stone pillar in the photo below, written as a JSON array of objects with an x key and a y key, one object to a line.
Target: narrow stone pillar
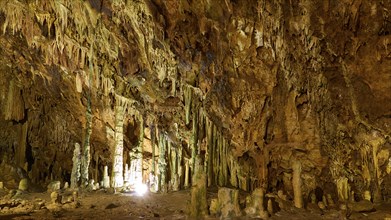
[
  {"x": 187, "y": 167},
  {"x": 75, "y": 175},
  {"x": 85, "y": 154},
  {"x": 162, "y": 163},
  {"x": 297, "y": 182},
  {"x": 199, "y": 206},
  {"x": 188, "y": 101},
  {"x": 194, "y": 142},
  {"x": 117, "y": 179},
  {"x": 139, "y": 152},
  {"x": 106, "y": 179},
  {"x": 210, "y": 151}
]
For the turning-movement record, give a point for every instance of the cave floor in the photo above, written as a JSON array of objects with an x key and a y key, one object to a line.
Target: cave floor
[{"x": 175, "y": 205}]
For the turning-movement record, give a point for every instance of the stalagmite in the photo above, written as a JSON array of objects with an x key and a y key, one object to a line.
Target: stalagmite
[
  {"x": 210, "y": 151},
  {"x": 256, "y": 207},
  {"x": 188, "y": 102},
  {"x": 20, "y": 151},
  {"x": 174, "y": 169},
  {"x": 117, "y": 179},
  {"x": 330, "y": 200},
  {"x": 23, "y": 184},
  {"x": 127, "y": 178},
  {"x": 106, "y": 179},
  {"x": 297, "y": 182},
  {"x": 343, "y": 189},
  {"x": 75, "y": 175},
  {"x": 367, "y": 195},
  {"x": 199, "y": 206},
  {"x": 14, "y": 106},
  {"x": 270, "y": 206},
  {"x": 187, "y": 170}
]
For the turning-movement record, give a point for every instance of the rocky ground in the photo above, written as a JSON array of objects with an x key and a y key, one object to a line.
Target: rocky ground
[{"x": 102, "y": 204}]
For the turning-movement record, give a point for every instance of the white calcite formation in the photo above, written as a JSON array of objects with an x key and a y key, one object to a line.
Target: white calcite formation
[
  {"x": 75, "y": 175},
  {"x": 106, "y": 179}
]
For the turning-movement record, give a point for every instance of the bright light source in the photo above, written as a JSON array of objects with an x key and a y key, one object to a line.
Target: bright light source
[{"x": 140, "y": 189}]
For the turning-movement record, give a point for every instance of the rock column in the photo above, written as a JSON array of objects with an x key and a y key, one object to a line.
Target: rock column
[
  {"x": 117, "y": 179},
  {"x": 75, "y": 175},
  {"x": 296, "y": 182}
]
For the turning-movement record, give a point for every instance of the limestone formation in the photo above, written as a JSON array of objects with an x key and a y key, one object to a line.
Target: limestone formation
[
  {"x": 162, "y": 164},
  {"x": 75, "y": 175},
  {"x": 54, "y": 186},
  {"x": 117, "y": 179},
  {"x": 297, "y": 183},
  {"x": 66, "y": 185},
  {"x": 289, "y": 96},
  {"x": 228, "y": 200},
  {"x": 23, "y": 184},
  {"x": 106, "y": 179},
  {"x": 256, "y": 207},
  {"x": 198, "y": 204},
  {"x": 55, "y": 197}
]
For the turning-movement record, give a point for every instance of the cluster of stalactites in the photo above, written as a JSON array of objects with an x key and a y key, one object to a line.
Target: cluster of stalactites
[
  {"x": 169, "y": 173},
  {"x": 374, "y": 166},
  {"x": 78, "y": 45},
  {"x": 220, "y": 165},
  {"x": 147, "y": 31},
  {"x": 60, "y": 15}
]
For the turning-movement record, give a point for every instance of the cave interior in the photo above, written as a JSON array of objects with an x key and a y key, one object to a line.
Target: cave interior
[{"x": 213, "y": 109}]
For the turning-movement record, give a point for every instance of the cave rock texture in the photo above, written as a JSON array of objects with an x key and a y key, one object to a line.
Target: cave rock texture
[{"x": 290, "y": 96}]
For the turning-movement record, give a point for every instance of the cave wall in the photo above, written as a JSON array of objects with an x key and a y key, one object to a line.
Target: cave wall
[{"x": 249, "y": 86}]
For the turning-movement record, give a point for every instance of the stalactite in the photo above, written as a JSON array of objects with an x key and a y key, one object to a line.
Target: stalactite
[
  {"x": 215, "y": 155},
  {"x": 224, "y": 162},
  {"x": 117, "y": 179},
  {"x": 210, "y": 151},
  {"x": 14, "y": 106},
  {"x": 187, "y": 92},
  {"x": 75, "y": 175},
  {"x": 79, "y": 83},
  {"x": 173, "y": 86}
]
